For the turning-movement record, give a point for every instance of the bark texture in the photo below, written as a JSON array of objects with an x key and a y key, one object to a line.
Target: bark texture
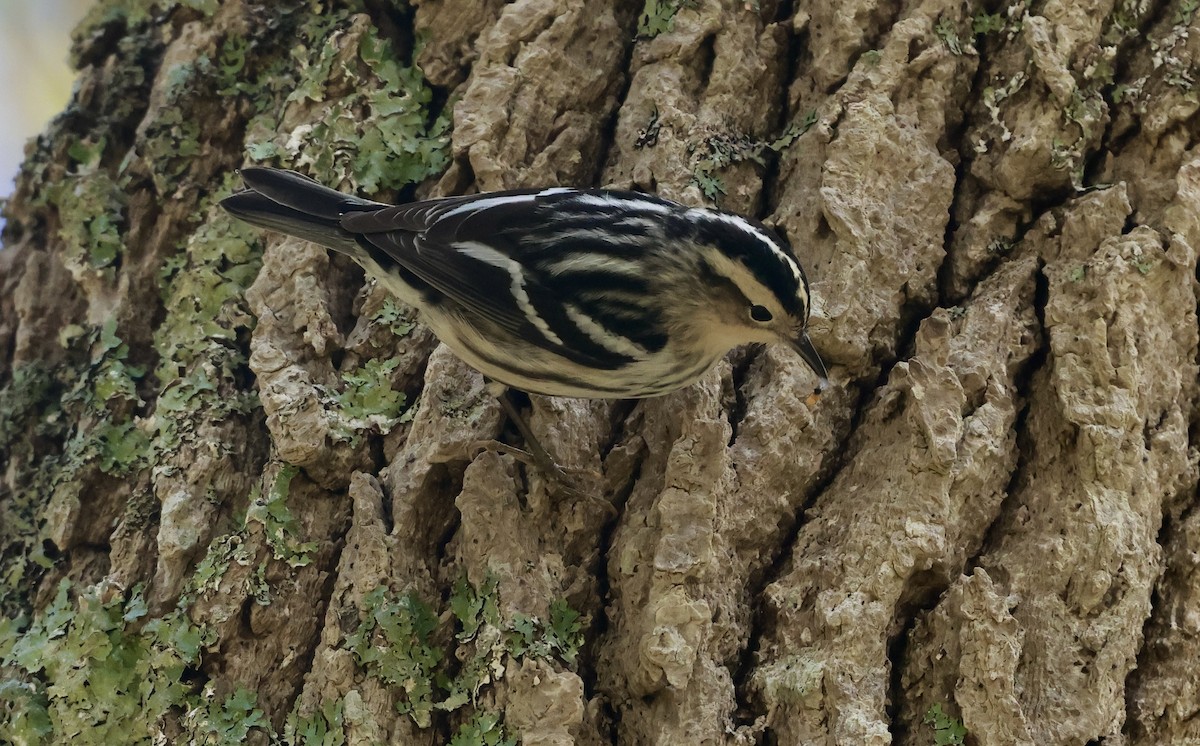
[{"x": 242, "y": 497}]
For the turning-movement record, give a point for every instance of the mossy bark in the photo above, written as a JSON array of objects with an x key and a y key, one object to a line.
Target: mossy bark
[{"x": 242, "y": 496}]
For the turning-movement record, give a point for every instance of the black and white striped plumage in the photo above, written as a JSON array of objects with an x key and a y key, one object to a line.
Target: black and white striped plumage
[{"x": 564, "y": 292}]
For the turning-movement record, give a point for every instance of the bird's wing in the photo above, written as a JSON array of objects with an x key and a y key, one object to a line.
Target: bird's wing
[
  {"x": 447, "y": 213},
  {"x": 477, "y": 251}
]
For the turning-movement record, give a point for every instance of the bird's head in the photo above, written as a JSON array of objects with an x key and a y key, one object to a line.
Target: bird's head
[{"x": 758, "y": 290}]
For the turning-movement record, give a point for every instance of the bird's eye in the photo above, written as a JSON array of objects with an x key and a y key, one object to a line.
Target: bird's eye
[{"x": 760, "y": 314}]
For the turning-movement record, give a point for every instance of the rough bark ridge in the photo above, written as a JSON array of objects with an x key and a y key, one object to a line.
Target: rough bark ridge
[{"x": 241, "y": 491}]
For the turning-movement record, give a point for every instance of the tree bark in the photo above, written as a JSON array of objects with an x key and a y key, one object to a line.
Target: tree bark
[{"x": 242, "y": 496}]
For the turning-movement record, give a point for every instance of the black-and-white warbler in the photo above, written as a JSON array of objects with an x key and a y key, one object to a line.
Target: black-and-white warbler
[{"x": 565, "y": 292}]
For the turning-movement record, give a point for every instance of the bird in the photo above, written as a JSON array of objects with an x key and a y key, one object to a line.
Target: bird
[{"x": 589, "y": 293}]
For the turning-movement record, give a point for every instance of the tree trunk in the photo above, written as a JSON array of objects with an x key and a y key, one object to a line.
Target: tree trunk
[{"x": 242, "y": 496}]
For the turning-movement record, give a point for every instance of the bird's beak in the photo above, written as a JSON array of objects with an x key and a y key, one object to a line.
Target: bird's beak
[{"x": 804, "y": 347}]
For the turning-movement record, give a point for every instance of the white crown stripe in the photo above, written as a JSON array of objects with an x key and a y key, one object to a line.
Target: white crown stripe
[{"x": 745, "y": 225}]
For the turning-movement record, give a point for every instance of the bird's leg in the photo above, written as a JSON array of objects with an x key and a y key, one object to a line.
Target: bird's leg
[
  {"x": 536, "y": 454},
  {"x": 541, "y": 459}
]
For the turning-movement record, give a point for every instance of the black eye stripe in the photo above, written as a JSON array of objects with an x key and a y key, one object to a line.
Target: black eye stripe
[
  {"x": 713, "y": 278},
  {"x": 759, "y": 260}
]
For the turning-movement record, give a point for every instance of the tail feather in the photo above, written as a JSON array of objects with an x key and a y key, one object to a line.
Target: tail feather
[{"x": 294, "y": 204}]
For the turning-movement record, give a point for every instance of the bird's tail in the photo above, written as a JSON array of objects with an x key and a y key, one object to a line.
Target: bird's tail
[{"x": 292, "y": 203}]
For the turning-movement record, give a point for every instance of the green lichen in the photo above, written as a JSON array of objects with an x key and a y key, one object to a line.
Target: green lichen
[
  {"x": 101, "y": 400},
  {"x": 399, "y": 641},
  {"x": 203, "y": 290},
  {"x": 169, "y": 135},
  {"x": 711, "y": 185},
  {"x": 171, "y": 143},
  {"x": 223, "y": 551},
  {"x": 368, "y": 402},
  {"x": 1186, "y": 12},
  {"x": 794, "y": 131},
  {"x": 790, "y": 679},
  {"x": 1102, "y": 72},
  {"x": 559, "y": 637},
  {"x": 717, "y": 153},
  {"x": 59, "y": 422},
  {"x": 281, "y": 533},
  {"x": 485, "y": 729},
  {"x": 658, "y": 16},
  {"x": 395, "y": 644},
  {"x": 227, "y": 721},
  {"x": 993, "y": 97},
  {"x": 947, "y": 31},
  {"x": 479, "y": 636},
  {"x": 947, "y": 731},
  {"x": 1086, "y": 112},
  {"x": 31, "y": 419},
  {"x": 230, "y": 65},
  {"x": 1124, "y": 20},
  {"x": 474, "y": 608},
  {"x": 21, "y": 399},
  {"x": 398, "y": 318},
  {"x": 1180, "y": 76},
  {"x": 281, "y": 528},
  {"x": 375, "y": 130},
  {"x": 122, "y": 447},
  {"x": 399, "y": 147},
  {"x": 200, "y": 341},
  {"x": 1144, "y": 266},
  {"x": 721, "y": 151},
  {"x": 987, "y": 23},
  {"x": 91, "y": 212},
  {"x": 265, "y": 76},
  {"x": 94, "y": 669},
  {"x": 320, "y": 728},
  {"x": 134, "y": 12},
  {"x": 564, "y": 631}
]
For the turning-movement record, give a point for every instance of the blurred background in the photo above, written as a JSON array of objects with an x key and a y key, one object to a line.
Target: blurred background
[{"x": 34, "y": 76}]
